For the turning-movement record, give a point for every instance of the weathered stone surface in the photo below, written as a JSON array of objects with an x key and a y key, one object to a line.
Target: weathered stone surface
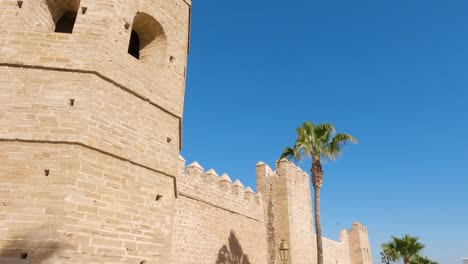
[
  {"x": 90, "y": 135},
  {"x": 82, "y": 206}
]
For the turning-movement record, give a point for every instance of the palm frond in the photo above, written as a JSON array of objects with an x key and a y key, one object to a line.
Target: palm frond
[
  {"x": 406, "y": 247},
  {"x": 287, "y": 152},
  {"x": 333, "y": 149},
  {"x": 290, "y": 153},
  {"x": 316, "y": 141},
  {"x": 390, "y": 252},
  {"x": 323, "y": 132},
  {"x": 308, "y": 127},
  {"x": 418, "y": 259}
]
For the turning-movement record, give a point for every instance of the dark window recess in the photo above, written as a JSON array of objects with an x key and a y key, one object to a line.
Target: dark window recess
[
  {"x": 134, "y": 46},
  {"x": 66, "y": 23},
  {"x": 23, "y": 255}
]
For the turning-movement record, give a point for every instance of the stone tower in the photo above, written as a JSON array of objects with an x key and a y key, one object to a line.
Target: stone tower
[
  {"x": 359, "y": 247},
  {"x": 288, "y": 211},
  {"x": 91, "y": 100},
  {"x": 288, "y": 215}
]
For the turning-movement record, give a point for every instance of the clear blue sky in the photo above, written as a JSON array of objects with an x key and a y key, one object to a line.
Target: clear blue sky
[{"x": 394, "y": 73}]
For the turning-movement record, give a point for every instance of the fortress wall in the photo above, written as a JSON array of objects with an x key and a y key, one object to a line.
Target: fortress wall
[
  {"x": 89, "y": 143},
  {"x": 288, "y": 211},
  {"x": 207, "y": 210},
  {"x": 288, "y": 215},
  {"x": 89, "y": 208},
  {"x": 275, "y": 204},
  {"x": 352, "y": 248},
  {"x": 336, "y": 252},
  {"x": 302, "y": 231},
  {"x": 35, "y": 105}
]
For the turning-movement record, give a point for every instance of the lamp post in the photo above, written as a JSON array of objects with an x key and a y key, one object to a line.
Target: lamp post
[{"x": 284, "y": 251}]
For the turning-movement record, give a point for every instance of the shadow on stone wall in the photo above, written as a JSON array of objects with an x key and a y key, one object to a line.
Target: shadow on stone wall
[
  {"x": 33, "y": 246},
  {"x": 233, "y": 254}
]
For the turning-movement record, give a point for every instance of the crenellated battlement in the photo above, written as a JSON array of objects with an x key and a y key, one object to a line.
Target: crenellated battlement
[
  {"x": 285, "y": 170},
  {"x": 359, "y": 227},
  {"x": 220, "y": 191},
  {"x": 284, "y": 167},
  {"x": 193, "y": 178}
]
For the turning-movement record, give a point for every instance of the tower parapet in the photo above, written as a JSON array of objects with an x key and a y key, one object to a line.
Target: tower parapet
[{"x": 359, "y": 246}]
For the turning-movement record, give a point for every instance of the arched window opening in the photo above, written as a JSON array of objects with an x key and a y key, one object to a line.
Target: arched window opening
[
  {"x": 63, "y": 14},
  {"x": 148, "y": 41},
  {"x": 134, "y": 46},
  {"x": 66, "y": 23}
]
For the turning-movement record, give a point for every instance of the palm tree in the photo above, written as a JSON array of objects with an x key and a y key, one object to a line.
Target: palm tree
[
  {"x": 389, "y": 255},
  {"x": 317, "y": 142},
  {"x": 418, "y": 259},
  {"x": 406, "y": 248}
]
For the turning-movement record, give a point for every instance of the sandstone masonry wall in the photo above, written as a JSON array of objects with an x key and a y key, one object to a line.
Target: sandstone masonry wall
[
  {"x": 359, "y": 246},
  {"x": 102, "y": 116},
  {"x": 353, "y": 247},
  {"x": 99, "y": 44},
  {"x": 337, "y": 252},
  {"x": 288, "y": 211},
  {"x": 81, "y": 206},
  {"x": 89, "y": 134},
  {"x": 288, "y": 215},
  {"x": 208, "y": 208}
]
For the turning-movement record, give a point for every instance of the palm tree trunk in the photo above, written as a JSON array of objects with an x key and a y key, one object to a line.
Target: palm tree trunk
[
  {"x": 317, "y": 181},
  {"x": 406, "y": 260},
  {"x": 318, "y": 226}
]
